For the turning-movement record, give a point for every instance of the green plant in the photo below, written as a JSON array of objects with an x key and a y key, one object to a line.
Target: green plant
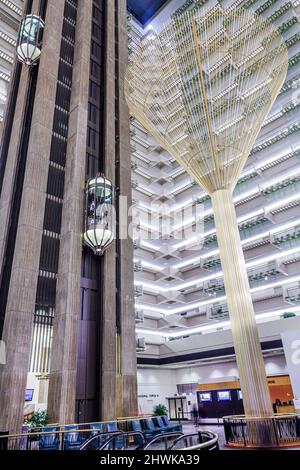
[
  {"x": 38, "y": 419},
  {"x": 288, "y": 315},
  {"x": 160, "y": 410}
]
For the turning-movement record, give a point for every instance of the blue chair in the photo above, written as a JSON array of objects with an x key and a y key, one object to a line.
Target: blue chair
[
  {"x": 49, "y": 441},
  {"x": 114, "y": 427},
  {"x": 73, "y": 440},
  {"x": 171, "y": 427},
  {"x": 149, "y": 427},
  {"x": 96, "y": 428},
  {"x": 159, "y": 424},
  {"x": 136, "y": 426}
]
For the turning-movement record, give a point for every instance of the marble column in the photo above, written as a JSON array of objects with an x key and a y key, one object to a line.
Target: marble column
[
  {"x": 25, "y": 268},
  {"x": 118, "y": 380},
  {"x": 128, "y": 338},
  {"x": 62, "y": 385},
  {"x": 108, "y": 327}
]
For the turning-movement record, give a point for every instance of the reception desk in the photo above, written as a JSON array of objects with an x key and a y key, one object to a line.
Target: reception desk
[
  {"x": 212, "y": 402},
  {"x": 282, "y": 409}
]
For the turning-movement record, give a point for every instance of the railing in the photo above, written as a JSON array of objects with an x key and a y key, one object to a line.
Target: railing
[
  {"x": 57, "y": 439},
  {"x": 292, "y": 294},
  {"x": 290, "y": 236},
  {"x": 122, "y": 422},
  {"x": 162, "y": 441},
  {"x": 202, "y": 441},
  {"x": 280, "y": 430},
  {"x": 73, "y": 440},
  {"x": 79, "y": 436},
  {"x": 115, "y": 441},
  {"x": 125, "y": 441}
]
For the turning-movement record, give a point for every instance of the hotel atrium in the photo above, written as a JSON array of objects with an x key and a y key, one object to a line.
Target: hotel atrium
[{"x": 115, "y": 310}]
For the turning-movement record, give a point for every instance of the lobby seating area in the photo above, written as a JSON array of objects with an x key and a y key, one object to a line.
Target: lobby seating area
[
  {"x": 151, "y": 427},
  {"x": 72, "y": 437}
]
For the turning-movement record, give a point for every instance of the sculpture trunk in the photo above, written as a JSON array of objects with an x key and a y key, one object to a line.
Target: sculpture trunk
[{"x": 248, "y": 352}]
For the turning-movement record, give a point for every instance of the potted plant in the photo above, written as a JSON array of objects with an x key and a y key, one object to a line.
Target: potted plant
[
  {"x": 160, "y": 410},
  {"x": 37, "y": 420}
]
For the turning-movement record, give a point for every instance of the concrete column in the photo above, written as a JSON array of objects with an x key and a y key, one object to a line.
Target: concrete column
[
  {"x": 108, "y": 333},
  {"x": 118, "y": 381},
  {"x": 128, "y": 340},
  {"x": 62, "y": 386},
  {"x": 22, "y": 292}
]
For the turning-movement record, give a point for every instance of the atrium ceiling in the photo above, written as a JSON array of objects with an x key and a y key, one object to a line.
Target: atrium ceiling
[{"x": 144, "y": 10}]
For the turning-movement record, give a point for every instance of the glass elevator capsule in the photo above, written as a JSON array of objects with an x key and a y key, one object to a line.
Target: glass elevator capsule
[
  {"x": 29, "y": 42},
  {"x": 99, "y": 219}
]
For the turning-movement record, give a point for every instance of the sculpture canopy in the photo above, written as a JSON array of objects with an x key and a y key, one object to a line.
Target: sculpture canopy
[{"x": 203, "y": 87}]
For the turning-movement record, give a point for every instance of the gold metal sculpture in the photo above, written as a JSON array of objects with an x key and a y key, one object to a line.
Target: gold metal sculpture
[{"x": 203, "y": 87}]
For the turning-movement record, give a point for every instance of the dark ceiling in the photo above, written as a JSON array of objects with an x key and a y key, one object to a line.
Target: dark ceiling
[{"x": 144, "y": 10}]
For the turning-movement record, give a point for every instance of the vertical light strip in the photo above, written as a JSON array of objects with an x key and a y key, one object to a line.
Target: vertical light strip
[{"x": 198, "y": 55}]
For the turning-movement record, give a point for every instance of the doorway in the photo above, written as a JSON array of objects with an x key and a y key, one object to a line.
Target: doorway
[{"x": 178, "y": 408}]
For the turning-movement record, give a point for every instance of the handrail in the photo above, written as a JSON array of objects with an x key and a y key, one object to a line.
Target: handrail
[
  {"x": 128, "y": 418},
  {"x": 214, "y": 439},
  {"x": 254, "y": 418},
  {"x": 111, "y": 436},
  {"x": 159, "y": 437},
  {"x": 78, "y": 425},
  {"x": 37, "y": 433},
  {"x": 119, "y": 420},
  {"x": 100, "y": 435},
  {"x": 122, "y": 435}
]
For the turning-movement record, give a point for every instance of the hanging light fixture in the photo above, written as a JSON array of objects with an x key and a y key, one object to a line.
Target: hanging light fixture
[
  {"x": 99, "y": 219},
  {"x": 29, "y": 42}
]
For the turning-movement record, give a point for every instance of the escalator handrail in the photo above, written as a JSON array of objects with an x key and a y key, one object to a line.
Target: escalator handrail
[
  {"x": 145, "y": 446},
  {"x": 214, "y": 438},
  {"x": 111, "y": 436},
  {"x": 159, "y": 437},
  {"x": 122, "y": 435}
]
